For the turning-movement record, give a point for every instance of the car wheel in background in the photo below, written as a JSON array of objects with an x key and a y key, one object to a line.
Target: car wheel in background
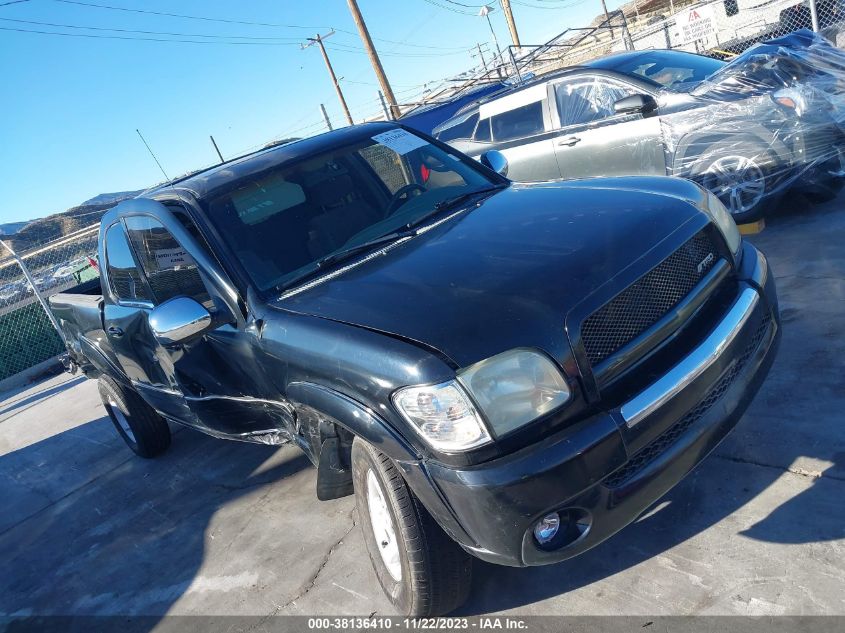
[
  {"x": 143, "y": 430},
  {"x": 422, "y": 570},
  {"x": 826, "y": 181},
  {"x": 742, "y": 173}
]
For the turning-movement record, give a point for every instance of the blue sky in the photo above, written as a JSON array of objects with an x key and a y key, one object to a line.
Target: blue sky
[{"x": 71, "y": 104}]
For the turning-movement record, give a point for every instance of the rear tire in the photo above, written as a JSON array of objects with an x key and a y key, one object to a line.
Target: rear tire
[
  {"x": 421, "y": 569},
  {"x": 742, "y": 173},
  {"x": 143, "y": 430},
  {"x": 823, "y": 191}
]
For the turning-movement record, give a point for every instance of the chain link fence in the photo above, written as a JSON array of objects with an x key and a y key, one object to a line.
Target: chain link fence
[
  {"x": 720, "y": 28},
  {"x": 27, "y": 335}
]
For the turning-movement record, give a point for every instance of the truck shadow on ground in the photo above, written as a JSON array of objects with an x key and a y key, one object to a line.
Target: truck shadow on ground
[
  {"x": 130, "y": 536},
  {"x": 14, "y": 405}
]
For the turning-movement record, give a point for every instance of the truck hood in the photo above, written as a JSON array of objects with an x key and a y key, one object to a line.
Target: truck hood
[{"x": 505, "y": 274}]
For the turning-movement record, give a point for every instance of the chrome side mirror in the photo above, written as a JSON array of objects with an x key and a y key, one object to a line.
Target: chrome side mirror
[
  {"x": 178, "y": 320},
  {"x": 495, "y": 161}
]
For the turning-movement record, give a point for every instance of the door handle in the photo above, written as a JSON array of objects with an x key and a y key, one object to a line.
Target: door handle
[
  {"x": 115, "y": 331},
  {"x": 569, "y": 141}
]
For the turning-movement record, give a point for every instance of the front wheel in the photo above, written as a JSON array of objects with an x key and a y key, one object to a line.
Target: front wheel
[
  {"x": 742, "y": 174},
  {"x": 422, "y": 570}
]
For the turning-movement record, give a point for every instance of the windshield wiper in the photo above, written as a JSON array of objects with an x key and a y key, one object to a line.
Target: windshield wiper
[
  {"x": 407, "y": 230},
  {"x": 346, "y": 253},
  {"x": 341, "y": 255},
  {"x": 451, "y": 203}
]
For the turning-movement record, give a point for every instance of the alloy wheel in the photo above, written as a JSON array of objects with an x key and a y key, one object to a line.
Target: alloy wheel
[
  {"x": 121, "y": 420},
  {"x": 383, "y": 528},
  {"x": 737, "y": 181}
]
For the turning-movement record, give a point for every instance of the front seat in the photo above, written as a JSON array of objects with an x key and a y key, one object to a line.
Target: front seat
[{"x": 345, "y": 213}]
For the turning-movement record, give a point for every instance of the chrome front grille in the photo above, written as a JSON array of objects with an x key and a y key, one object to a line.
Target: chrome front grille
[{"x": 647, "y": 300}]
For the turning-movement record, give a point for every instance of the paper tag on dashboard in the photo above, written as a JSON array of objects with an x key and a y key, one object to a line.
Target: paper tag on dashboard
[
  {"x": 400, "y": 141},
  {"x": 170, "y": 258}
]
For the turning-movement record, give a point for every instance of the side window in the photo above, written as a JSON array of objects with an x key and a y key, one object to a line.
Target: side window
[
  {"x": 482, "y": 132},
  {"x": 519, "y": 122},
  {"x": 461, "y": 130},
  {"x": 125, "y": 279},
  {"x": 170, "y": 271},
  {"x": 581, "y": 102}
]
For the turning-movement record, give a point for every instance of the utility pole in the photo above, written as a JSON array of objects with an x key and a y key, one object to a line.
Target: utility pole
[
  {"x": 506, "y": 7},
  {"x": 319, "y": 42},
  {"x": 216, "y": 149},
  {"x": 326, "y": 117},
  {"x": 384, "y": 108},
  {"x": 607, "y": 17},
  {"x": 374, "y": 59},
  {"x": 484, "y": 12},
  {"x": 481, "y": 55}
]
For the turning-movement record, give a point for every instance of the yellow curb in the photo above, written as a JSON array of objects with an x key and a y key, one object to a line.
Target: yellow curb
[{"x": 753, "y": 228}]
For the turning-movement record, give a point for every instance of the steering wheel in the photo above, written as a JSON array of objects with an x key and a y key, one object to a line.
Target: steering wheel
[{"x": 403, "y": 192}]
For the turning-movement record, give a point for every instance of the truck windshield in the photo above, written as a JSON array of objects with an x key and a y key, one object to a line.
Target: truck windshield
[{"x": 288, "y": 221}]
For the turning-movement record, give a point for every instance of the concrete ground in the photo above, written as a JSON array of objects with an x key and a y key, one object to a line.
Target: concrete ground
[{"x": 217, "y": 527}]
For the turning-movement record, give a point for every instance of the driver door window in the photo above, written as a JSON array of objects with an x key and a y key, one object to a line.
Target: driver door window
[
  {"x": 588, "y": 102},
  {"x": 125, "y": 280},
  {"x": 170, "y": 270}
]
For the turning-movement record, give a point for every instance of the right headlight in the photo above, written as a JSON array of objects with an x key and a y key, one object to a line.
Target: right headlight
[
  {"x": 722, "y": 218},
  {"x": 491, "y": 397},
  {"x": 515, "y": 388}
]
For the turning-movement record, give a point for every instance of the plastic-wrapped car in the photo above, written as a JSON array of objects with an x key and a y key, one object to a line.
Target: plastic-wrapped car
[{"x": 747, "y": 130}]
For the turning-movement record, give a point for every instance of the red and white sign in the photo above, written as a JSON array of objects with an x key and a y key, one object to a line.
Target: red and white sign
[{"x": 695, "y": 24}]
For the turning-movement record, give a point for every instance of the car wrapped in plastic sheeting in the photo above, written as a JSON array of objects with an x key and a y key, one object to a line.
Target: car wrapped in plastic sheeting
[
  {"x": 747, "y": 130},
  {"x": 770, "y": 119}
]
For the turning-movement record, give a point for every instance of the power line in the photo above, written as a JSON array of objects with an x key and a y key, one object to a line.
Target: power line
[
  {"x": 178, "y": 38},
  {"x": 461, "y": 4},
  {"x": 347, "y": 48},
  {"x": 448, "y": 8},
  {"x": 230, "y": 21},
  {"x": 187, "y": 17},
  {"x": 6, "y": 4},
  {"x": 147, "y": 39},
  {"x": 565, "y": 5},
  {"x": 98, "y": 28}
]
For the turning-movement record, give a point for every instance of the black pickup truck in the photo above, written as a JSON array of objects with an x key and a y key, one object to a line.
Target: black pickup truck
[{"x": 509, "y": 371}]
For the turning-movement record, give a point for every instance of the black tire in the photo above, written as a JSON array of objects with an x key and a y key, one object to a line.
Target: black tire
[
  {"x": 148, "y": 433},
  {"x": 436, "y": 573},
  {"x": 823, "y": 191},
  {"x": 762, "y": 168}
]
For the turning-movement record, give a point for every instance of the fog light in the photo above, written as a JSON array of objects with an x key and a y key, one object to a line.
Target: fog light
[{"x": 547, "y": 528}]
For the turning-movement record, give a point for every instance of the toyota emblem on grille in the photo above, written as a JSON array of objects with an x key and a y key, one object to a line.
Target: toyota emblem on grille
[{"x": 704, "y": 263}]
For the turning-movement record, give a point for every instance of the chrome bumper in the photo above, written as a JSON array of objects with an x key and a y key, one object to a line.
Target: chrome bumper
[{"x": 696, "y": 363}]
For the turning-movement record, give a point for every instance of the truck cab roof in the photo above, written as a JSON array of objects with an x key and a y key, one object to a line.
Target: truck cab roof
[{"x": 203, "y": 183}]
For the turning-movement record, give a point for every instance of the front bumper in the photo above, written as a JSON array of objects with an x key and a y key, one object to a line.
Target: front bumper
[{"x": 603, "y": 473}]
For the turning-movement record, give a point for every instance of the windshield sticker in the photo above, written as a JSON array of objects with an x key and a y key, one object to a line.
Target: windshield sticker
[
  {"x": 170, "y": 258},
  {"x": 400, "y": 141}
]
